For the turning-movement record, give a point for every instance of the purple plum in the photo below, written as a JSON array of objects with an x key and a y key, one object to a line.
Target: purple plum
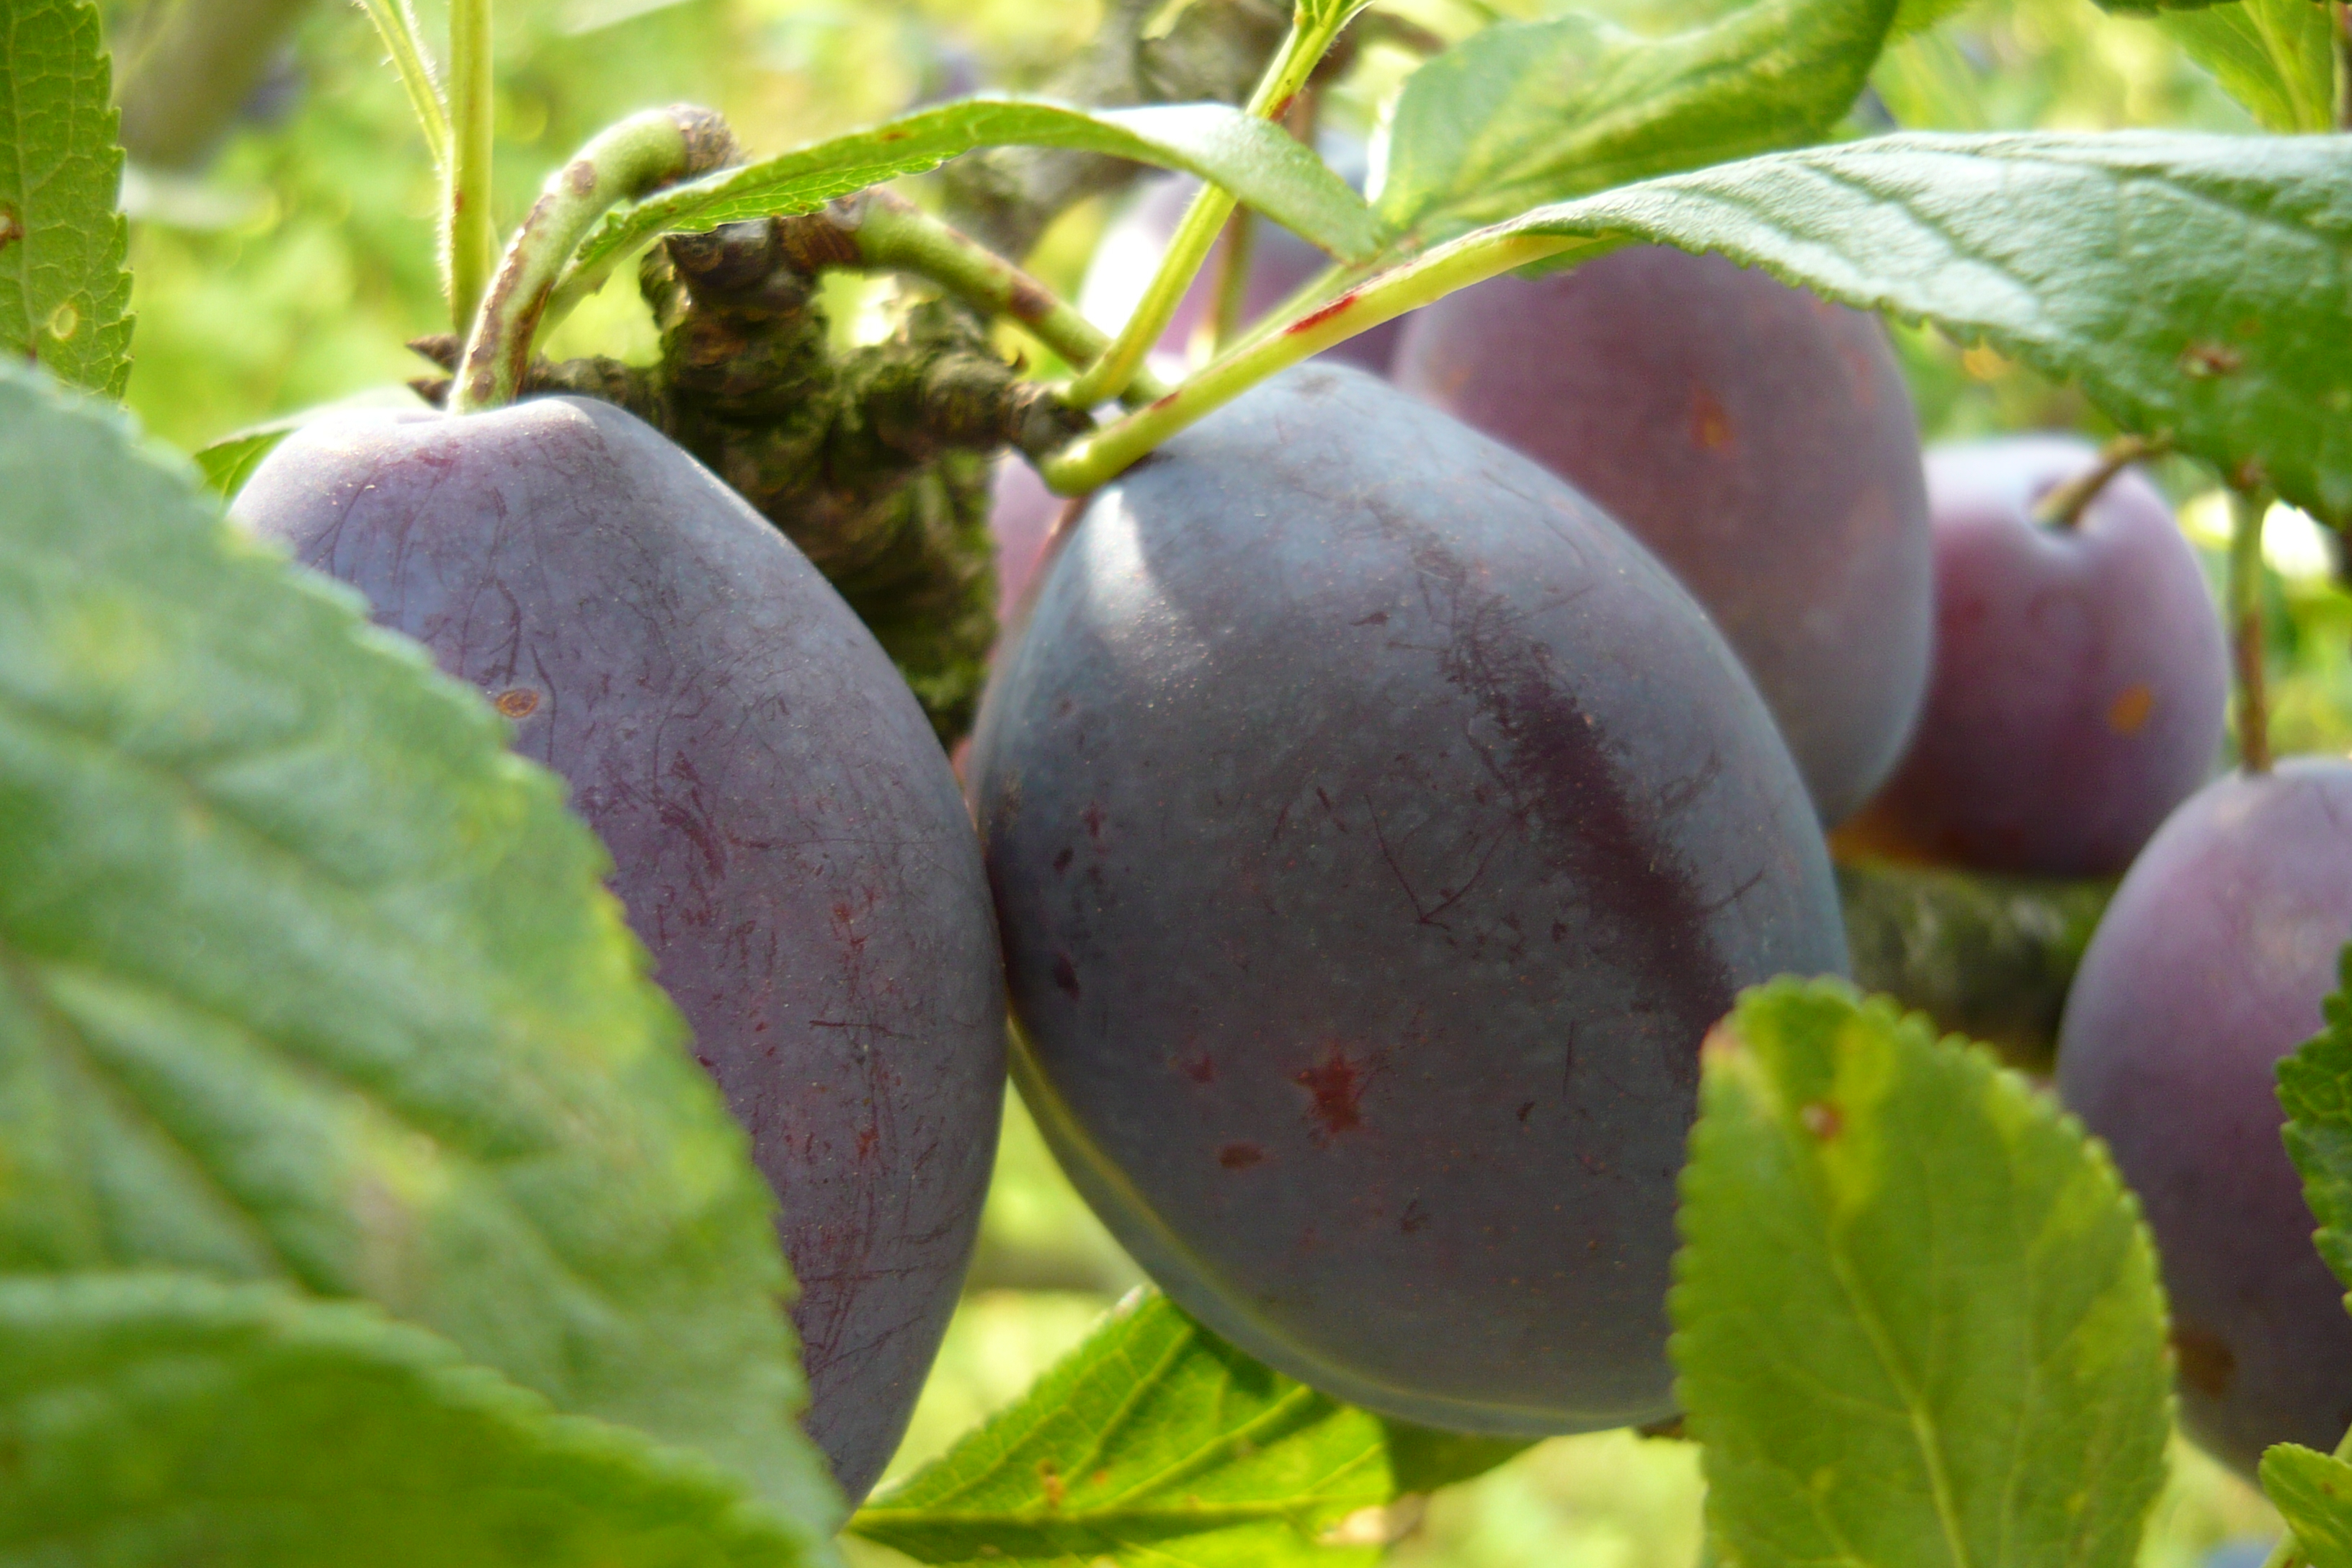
[
  {"x": 2080, "y": 678},
  {"x": 786, "y": 837},
  {"x": 1376, "y": 830},
  {"x": 1760, "y": 440},
  {"x": 2210, "y": 966}
]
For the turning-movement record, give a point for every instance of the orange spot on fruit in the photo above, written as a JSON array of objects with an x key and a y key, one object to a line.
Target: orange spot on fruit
[
  {"x": 2130, "y": 709},
  {"x": 1710, "y": 426},
  {"x": 517, "y": 702}
]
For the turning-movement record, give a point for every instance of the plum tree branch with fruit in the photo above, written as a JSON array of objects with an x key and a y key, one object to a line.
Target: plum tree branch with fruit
[{"x": 542, "y": 1029}]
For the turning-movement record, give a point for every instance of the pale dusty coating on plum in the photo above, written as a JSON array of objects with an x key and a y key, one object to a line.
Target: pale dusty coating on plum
[
  {"x": 1761, "y": 441},
  {"x": 1376, "y": 831},
  {"x": 787, "y": 838},
  {"x": 2210, "y": 965}
]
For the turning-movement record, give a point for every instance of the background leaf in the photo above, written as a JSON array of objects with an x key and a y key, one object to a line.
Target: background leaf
[
  {"x": 1524, "y": 113},
  {"x": 2314, "y": 1088},
  {"x": 1157, "y": 1443},
  {"x": 2313, "y": 1493},
  {"x": 304, "y": 976},
  {"x": 1258, "y": 161},
  {"x": 165, "y": 1420},
  {"x": 227, "y": 464},
  {"x": 1916, "y": 1318},
  {"x": 65, "y": 298},
  {"x": 2193, "y": 285},
  {"x": 2275, "y": 56}
]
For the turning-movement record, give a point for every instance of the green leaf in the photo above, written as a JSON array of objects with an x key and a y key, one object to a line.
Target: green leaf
[
  {"x": 1916, "y": 1318},
  {"x": 227, "y": 463},
  {"x": 2314, "y": 1088},
  {"x": 1261, "y": 164},
  {"x": 166, "y": 1419},
  {"x": 1152, "y": 1443},
  {"x": 2194, "y": 285},
  {"x": 1423, "y": 1459},
  {"x": 304, "y": 976},
  {"x": 2312, "y": 1492},
  {"x": 1524, "y": 113},
  {"x": 2275, "y": 56},
  {"x": 65, "y": 298},
  {"x": 1918, "y": 16}
]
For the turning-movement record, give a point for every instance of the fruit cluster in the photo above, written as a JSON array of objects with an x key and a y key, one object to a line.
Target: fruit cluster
[{"x": 1381, "y": 792}]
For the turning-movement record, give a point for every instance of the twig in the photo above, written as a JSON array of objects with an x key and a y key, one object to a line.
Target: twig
[
  {"x": 890, "y": 232},
  {"x": 469, "y": 242},
  {"x": 619, "y": 164},
  {"x": 2065, "y": 505},
  {"x": 2246, "y": 510}
]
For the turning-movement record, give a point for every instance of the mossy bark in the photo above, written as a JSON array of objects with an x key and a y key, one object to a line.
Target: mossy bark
[
  {"x": 874, "y": 460},
  {"x": 1986, "y": 957}
]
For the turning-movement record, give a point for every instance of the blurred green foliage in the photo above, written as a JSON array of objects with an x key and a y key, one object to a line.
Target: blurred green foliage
[{"x": 290, "y": 271}]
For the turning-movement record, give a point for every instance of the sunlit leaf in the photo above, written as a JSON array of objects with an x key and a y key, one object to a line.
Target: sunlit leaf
[
  {"x": 1154, "y": 1444},
  {"x": 158, "y": 1420},
  {"x": 1524, "y": 113},
  {"x": 2312, "y": 1491},
  {"x": 2195, "y": 286},
  {"x": 65, "y": 298},
  {"x": 2275, "y": 56},
  {"x": 306, "y": 977},
  {"x": 1916, "y": 1317},
  {"x": 1261, "y": 164}
]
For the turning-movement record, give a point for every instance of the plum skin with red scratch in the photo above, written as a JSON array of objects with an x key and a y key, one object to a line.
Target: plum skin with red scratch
[{"x": 1376, "y": 829}]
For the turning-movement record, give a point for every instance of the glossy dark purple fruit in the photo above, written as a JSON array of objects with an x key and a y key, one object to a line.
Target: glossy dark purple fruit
[
  {"x": 1280, "y": 263},
  {"x": 2210, "y": 966},
  {"x": 786, "y": 837},
  {"x": 1760, "y": 440},
  {"x": 2080, "y": 678},
  {"x": 1376, "y": 830}
]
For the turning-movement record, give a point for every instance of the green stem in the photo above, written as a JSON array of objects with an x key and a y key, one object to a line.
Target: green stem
[
  {"x": 892, "y": 232},
  {"x": 395, "y": 24},
  {"x": 1302, "y": 49},
  {"x": 2063, "y": 507},
  {"x": 2246, "y": 510},
  {"x": 470, "y": 244},
  {"x": 2342, "y": 16},
  {"x": 1224, "y": 320},
  {"x": 1094, "y": 461},
  {"x": 620, "y": 163}
]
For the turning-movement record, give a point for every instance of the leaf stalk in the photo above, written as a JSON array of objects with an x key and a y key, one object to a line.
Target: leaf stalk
[
  {"x": 1094, "y": 461},
  {"x": 470, "y": 244},
  {"x": 2246, "y": 510},
  {"x": 1312, "y": 32},
  {"x": 619, "y": 164},
  {"x": 892, "y": 233},
  {"x": 396, "y": 25}
]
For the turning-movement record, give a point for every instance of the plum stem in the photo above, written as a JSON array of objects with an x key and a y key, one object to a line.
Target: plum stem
[
  {"x": 469, "y": 243},
  {"x": 1095, "y": 459},
  {"x": 2063, "y": 506},
  {"x": 2246, "y": 510},
  {"x": 396, "y": 25},
  {"x": 620, "y": 163},
  {"x": 1223, "y": 321},
  {"x": 892, "y": 233},
  {"x": 1313, "y": 29},
  {"x": 2343, "y": 18}
]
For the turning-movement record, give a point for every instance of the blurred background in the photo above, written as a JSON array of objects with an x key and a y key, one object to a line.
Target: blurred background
[{"x": 283, "y": 251}]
